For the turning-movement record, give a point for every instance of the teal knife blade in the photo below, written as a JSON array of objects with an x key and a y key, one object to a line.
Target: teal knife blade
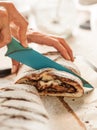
[{"x": 36, "y": 60}]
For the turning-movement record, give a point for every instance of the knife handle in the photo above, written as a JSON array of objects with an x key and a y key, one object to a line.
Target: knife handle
[{"x": 5, "y": 72}]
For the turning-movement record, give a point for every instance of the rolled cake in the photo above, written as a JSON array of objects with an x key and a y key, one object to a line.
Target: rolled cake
[
  {"x": 53, "y": 82},
  {"x": 21, "y": 108}
]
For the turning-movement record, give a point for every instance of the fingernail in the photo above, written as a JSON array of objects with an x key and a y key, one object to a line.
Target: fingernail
[
  {"x": 69, "y": 58},
  {"x": 14, "y": 69},
  {"x": 73, "y": 58}
]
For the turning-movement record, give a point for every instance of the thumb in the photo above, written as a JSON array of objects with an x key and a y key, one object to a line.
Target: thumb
[{"x": 15, "y": 66}]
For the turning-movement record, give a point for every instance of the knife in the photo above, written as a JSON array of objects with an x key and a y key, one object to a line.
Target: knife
[
  {"x": 5, "y": 72},
  {"x": 36, "y": 60}
]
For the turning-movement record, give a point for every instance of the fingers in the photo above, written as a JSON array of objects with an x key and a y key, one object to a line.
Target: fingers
[
  {"x": 22, "y": 25},
  {"x": 67, "y": 47},
  {"x": 15, "y": 66},
  {"x": 14, "y": 30},
  {"x": 15, "y": 17},
  {"x": 58, "y": 43},
  {"x": 5, "y": 35},
  {"x": 22, "y": 35},
  {"x": 63, "y": 51},
  {"x": 19, "y": 30},
  {"x": 69, "y": 50}
]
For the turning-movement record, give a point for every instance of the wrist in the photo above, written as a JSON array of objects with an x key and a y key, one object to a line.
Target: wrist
[{"x": 34, "y": 36}]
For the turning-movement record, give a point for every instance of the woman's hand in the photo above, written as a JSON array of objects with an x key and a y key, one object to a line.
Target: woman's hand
[
  {"x": 44, "y": 39},
  {"x": 59, "y": 43},
  {"x": 7, "y": 18}
]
